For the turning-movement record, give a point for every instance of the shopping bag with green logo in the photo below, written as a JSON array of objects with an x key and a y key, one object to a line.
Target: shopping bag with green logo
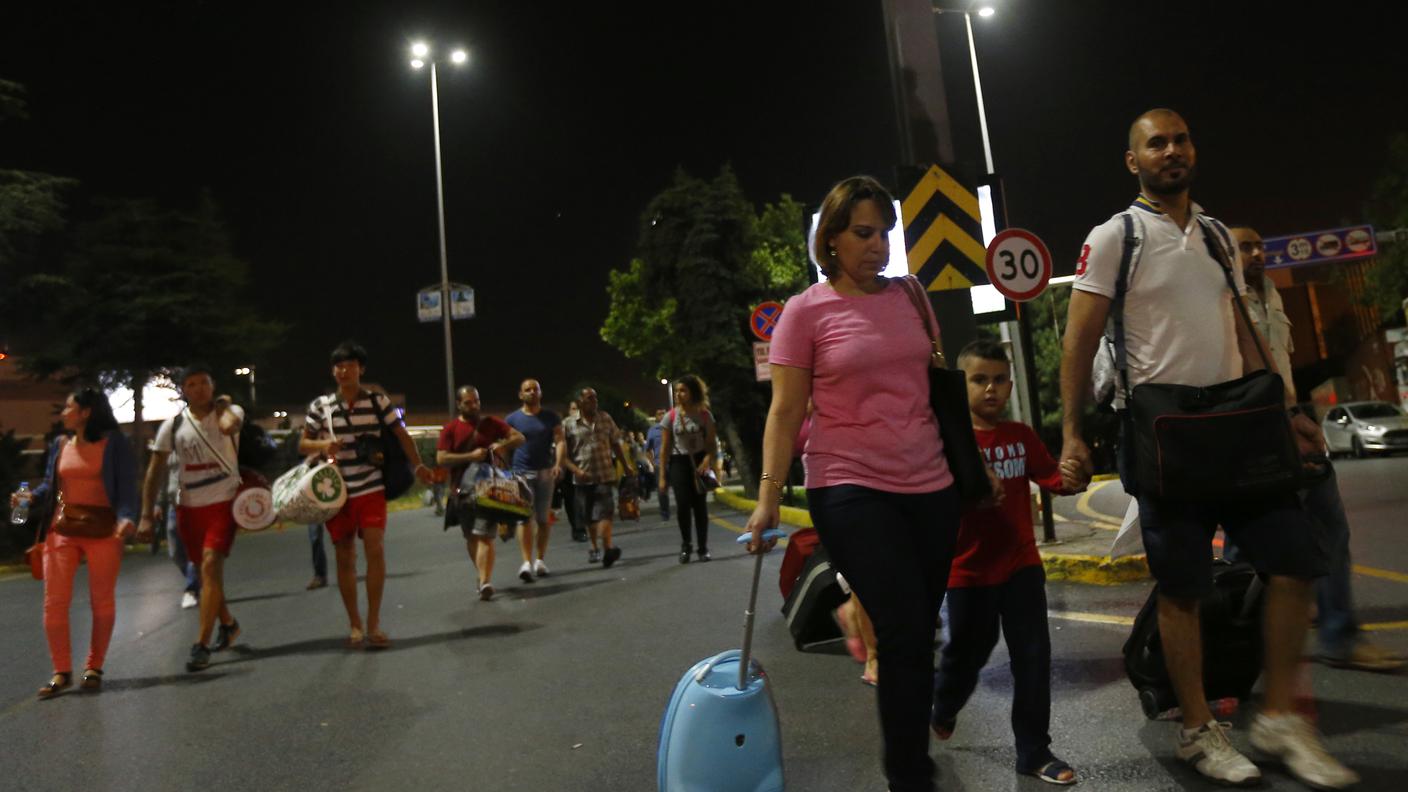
[{"x": 311, "y": 492}]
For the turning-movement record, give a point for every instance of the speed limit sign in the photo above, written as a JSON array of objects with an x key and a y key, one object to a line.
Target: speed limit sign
[{"x": 1018, "y": 264}]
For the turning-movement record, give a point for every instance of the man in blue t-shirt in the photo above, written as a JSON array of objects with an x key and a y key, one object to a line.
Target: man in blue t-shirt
[
  {"x": 535, "y": 460},
  {"x": 653, "y": 439}
]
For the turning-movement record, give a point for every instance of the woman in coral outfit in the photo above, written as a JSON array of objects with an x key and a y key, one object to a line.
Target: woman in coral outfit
[{"x": 92, "y": 475}]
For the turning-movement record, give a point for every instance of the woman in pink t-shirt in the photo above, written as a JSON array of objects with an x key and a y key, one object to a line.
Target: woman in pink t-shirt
[{"x": 878, "y": 487}]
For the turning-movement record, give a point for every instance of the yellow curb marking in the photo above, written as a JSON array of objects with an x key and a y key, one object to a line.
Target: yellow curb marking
[
  {"x": 1102, "y": 520},
  {"x": 1398, "y": 625},
  {"x": 1128, "y": 621},
  {"x": 790, "y": 515},
  {"x": 1397, "y": 577},
  {"x": 1092, "y": 618},
  {"x": 738, "y": 529}
]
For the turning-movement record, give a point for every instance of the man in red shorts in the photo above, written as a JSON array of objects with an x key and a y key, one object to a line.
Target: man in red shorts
[
  {"x": 331, "y": 429},
  {"x": 203, "y": 436}
]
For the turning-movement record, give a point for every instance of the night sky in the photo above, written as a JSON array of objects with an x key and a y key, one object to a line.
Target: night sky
[{"x": 309, "y": 127}]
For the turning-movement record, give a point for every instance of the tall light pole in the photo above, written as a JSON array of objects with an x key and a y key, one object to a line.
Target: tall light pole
[
  {"x": 669, "y": 394},
  {"x": 248, "y": 371},
  {"x": 984, "y": 11},
  {"x": 420, "y": 55}
]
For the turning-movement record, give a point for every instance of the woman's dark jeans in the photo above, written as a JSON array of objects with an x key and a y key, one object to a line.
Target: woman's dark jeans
[
  {"x": 691, "y": 504},
  {"x": 894, "y": 551}
]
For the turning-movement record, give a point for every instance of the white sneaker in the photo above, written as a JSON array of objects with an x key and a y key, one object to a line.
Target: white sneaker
[
  {"x": 539, "y": 568},
  {"x": 525, "y": 572},
  {"x": 1209, "y": 751},
  {"x": 1294, "y": 741},
  {"x": 188, "y": 601}
]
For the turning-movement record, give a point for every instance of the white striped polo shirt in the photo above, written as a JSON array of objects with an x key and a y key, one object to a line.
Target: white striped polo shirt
[{"x": 365, "y": 416}]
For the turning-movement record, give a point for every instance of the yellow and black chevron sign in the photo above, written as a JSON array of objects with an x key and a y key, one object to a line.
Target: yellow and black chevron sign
[{"x": 943, "y": 233}]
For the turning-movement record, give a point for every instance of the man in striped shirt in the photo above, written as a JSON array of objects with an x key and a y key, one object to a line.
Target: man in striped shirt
[{"x": 331, "y": 429}]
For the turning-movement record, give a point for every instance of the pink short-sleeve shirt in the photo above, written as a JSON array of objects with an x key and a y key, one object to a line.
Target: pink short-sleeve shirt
[{"x": 869, "y": 358}]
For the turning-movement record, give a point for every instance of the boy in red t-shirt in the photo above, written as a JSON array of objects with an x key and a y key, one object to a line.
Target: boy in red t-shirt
[{"x": 997, "y": 578}]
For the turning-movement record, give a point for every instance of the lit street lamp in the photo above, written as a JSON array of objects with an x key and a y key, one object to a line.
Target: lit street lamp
[
  {"x": 248, "y": 371},
  {"x": 985, "y": 12},
  {"x": 669, "y": 393},
  {"x": 420, "y": 55}
]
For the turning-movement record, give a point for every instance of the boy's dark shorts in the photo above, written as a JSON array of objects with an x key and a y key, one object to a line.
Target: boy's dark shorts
[{"x": 1276, "y": 535}]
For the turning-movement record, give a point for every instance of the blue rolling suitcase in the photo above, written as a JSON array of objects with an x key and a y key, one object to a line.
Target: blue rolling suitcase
[{"x": 720, "y": 731}]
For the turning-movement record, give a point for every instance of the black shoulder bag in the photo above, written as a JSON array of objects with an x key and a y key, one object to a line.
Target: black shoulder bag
[
  {"x": 1228, "y": 441},
  {"x": 383, "y": 450},
  {"x": 948, "y": 397}
]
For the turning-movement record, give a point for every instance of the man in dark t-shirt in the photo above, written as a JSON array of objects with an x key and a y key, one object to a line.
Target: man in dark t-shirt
[
  {"x": 535, "y": 461},
  {"x": 471, "y": 438}
]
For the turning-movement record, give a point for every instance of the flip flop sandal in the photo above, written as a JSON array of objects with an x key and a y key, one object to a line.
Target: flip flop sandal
[
  {"x": 869, "y": 680},
  {"x": 92, "y": 679},
  {"x": 378, "y": 640},
  {"x": 356, "y": 639},
  {"x": 1051, "y": 773},
  {"x": 60, "y": 681}
]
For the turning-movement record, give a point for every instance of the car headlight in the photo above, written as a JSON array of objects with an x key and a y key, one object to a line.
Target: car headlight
[{"x": 1373, "y": 429}]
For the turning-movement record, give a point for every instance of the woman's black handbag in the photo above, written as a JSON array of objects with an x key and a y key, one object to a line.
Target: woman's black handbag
[
  {"x": 948, "y": 397},
  {"x": 1231, "y": 440}
]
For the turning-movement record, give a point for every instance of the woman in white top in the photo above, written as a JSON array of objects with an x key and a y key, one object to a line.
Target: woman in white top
[{"x": 688, "y": 442}]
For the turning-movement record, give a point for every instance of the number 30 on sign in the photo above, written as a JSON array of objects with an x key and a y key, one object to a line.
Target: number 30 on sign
[{"x": 1018, "y": 264}]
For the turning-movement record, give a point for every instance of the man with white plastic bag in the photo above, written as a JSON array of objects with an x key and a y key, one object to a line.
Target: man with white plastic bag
[{"x": 333, "y": 425}]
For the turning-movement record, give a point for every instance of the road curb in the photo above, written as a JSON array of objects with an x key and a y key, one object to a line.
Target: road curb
[
  {"x": 790, "y": 515},
  {"x": 1092, "y": 570}
]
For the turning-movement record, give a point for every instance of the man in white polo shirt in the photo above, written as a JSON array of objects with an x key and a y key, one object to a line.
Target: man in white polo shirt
[{"x": 1180, "y": 327}]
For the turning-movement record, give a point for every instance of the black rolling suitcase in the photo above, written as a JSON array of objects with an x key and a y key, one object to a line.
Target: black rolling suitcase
[
  {"x": 813, "y": 599},
  {"x": 1231, "y": 625}
]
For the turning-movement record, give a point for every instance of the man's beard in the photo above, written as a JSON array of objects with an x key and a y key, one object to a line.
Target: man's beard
[{"x": 1154, "y": 184}]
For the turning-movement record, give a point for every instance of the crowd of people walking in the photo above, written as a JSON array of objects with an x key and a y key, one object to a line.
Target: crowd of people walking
[{"x": 853, "y": 357}]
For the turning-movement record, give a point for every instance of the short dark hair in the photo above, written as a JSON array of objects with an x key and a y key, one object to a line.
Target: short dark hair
[
  {"x": 191, "y": 371},
  {"x": 349, "y": 350},
  {"x": 836, "y": 211},
  {"x": 984, "y": 349},
  {"x": 100, "y": 417}
]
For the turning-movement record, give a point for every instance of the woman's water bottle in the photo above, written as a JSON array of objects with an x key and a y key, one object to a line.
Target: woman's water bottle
[{"x": 20, "y": 514}]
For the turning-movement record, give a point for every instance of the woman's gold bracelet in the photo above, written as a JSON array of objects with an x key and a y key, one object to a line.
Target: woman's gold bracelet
[{"x": 768, "y": 477}]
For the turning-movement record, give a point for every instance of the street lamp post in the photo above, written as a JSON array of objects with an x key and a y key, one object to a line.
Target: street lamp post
[
  {"x": 248, "y": 371},
  {"x": 985, "y": 11},
  {"x": 421, "y": 53},
  {"x": 1025, "y": 351},
  {"x": 669, "y": 393}
]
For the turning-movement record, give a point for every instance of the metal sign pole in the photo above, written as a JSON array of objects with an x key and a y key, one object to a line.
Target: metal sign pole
[{"x": 1024, "y": 329}]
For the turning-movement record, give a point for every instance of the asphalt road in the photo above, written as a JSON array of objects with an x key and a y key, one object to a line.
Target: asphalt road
[{"x": 560, "y": 684}]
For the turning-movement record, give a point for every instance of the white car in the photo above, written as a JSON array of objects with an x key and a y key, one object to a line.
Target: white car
[{"x": 1362, "y": 427}]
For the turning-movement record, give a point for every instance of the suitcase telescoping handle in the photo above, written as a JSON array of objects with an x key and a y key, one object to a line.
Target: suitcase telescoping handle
[{"x": 770, "y": 535}]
